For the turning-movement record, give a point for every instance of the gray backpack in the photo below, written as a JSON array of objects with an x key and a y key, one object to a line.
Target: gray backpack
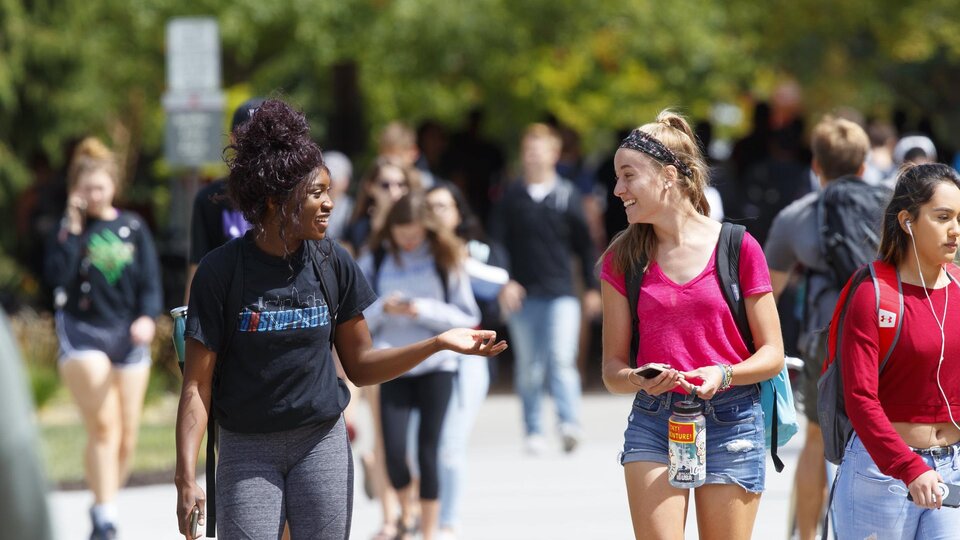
[{"x": 834, "y": 422}]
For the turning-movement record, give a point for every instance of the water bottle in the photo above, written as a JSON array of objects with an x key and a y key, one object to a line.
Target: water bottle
[
  {"x": 179, "y": 315},
  {"x": 687, "y": 445}
]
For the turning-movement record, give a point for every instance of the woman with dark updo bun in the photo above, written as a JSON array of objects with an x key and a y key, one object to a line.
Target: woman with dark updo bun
[{"x": 264, "y": 312}]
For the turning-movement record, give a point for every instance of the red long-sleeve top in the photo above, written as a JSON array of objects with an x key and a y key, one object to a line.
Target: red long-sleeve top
[{"x": 907, "y": 389}]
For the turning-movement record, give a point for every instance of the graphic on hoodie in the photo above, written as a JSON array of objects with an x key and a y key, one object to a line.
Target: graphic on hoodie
[{"x": 109, "y": 254}]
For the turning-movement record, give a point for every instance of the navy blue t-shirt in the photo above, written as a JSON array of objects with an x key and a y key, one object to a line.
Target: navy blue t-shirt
[{"x": 278, "y": 372}]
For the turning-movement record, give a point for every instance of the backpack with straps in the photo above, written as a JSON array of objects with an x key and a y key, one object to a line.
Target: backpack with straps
[
  {"x": 849, "y": 212},
  {"x": 835, "y": 425},
  {"x": 323, "y": 258},
  {"x": 834, "y": 422},
  {"x": 776, "y": 395}
]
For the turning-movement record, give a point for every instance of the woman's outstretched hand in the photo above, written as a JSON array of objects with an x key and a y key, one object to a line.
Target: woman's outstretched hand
[{"x": 473, "y": 342}]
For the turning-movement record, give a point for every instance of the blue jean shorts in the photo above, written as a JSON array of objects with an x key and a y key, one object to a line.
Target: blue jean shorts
[
  {"x": 736, "y": 451},
  {"x": 79, "y": 338}
]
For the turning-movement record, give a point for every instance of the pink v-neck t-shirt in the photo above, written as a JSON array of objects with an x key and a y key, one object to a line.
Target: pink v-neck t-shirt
[{"x": 690, "y": 325}]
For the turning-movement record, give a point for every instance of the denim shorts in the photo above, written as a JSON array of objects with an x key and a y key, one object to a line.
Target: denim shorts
[
  {"x": 734, "y": 429},
  {"x": 868, "y": 502}
]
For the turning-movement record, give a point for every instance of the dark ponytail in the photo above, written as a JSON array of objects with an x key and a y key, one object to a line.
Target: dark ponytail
[{"x": 914, "y": 188}]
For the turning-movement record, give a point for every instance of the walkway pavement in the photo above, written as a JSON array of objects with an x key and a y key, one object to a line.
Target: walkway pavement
[{"x": 509, "y": 496}]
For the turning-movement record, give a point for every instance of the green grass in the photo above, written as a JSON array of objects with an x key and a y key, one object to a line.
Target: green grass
[
  {"x": 64, "y": 443},
  {"x": 61, "y": 430}
]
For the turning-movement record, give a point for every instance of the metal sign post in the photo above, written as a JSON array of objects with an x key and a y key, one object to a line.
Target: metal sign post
[{"x": 194, "y": 101}]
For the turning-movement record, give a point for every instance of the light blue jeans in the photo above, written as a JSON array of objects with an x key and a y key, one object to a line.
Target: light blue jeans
[
  {"x": 545, "y": 334},
  {"x": 868, "y": 502},
  {"x": 469, "y": 391}
]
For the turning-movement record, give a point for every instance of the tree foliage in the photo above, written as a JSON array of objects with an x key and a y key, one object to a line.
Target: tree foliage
[{"x": 75, "y": 67}]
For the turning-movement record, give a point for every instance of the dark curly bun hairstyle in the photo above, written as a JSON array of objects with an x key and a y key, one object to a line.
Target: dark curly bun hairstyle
[{"x": 274, "y": 159}]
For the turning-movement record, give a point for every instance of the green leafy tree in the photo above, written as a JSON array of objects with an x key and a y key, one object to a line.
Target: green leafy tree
[{"x": 75, "y": 67}]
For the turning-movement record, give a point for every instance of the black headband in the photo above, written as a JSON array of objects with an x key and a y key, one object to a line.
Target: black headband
[{"x": 642, "y": 141}]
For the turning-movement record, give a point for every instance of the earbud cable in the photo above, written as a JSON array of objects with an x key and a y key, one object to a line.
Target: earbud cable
[{"x": 940, "y": 323}]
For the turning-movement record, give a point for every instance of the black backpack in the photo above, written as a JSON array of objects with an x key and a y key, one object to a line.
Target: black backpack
[
  {"x": 849, "y": 214},
  {"x": 323, "y": 258}
]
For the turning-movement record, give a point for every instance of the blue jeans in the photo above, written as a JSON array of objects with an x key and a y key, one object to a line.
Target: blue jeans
[
  {"x": 868, "y": 502},
  {"x": 736, "y": 452},
  {"x": 469, "y": 391},
  {"x": 545, "y": 334}
]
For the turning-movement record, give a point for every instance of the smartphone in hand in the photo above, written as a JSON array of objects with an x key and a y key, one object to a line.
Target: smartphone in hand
[
  {"x": 949, "y": 495},
  {"x": 194, "y": 522},
  {"x": 651, "y": 370}
]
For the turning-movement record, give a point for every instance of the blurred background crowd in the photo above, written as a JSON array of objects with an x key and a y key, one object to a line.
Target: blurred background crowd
[{"x": 424, "y": 92}]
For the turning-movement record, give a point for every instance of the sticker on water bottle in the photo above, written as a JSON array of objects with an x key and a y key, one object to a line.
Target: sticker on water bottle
[
  {"x": 687, "y": 449},
  {"x": 683, "y": 432}
]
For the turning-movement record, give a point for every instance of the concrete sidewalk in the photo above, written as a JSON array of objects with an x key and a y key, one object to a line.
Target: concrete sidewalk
[{"x": 508, "y": 496}]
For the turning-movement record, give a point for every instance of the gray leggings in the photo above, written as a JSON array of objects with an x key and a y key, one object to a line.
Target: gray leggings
[{"x": 303, "y": 476}]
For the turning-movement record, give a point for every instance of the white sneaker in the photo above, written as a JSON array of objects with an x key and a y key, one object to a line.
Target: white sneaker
[{"x": 535, "y": 444}]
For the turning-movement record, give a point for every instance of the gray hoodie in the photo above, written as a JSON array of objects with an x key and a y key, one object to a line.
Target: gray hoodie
[{"x": 416, "y": 278}]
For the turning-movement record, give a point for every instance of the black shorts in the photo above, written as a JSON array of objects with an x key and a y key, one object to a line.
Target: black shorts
[{"x": 79, "y": 338}]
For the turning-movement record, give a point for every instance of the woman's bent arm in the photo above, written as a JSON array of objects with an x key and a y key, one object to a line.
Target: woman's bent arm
[
  {"x": 616, "y": 341},
  {"x": 617, "y": 373}
]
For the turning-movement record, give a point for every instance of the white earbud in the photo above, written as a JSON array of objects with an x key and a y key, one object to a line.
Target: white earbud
[{"x": 909, "y": 230}]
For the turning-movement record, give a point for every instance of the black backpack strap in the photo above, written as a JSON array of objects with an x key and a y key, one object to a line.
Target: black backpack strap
[
  {"x": 323, "y": 256},
  {"x": 231, "y": 310},
  {"x": 444, "y": 280},
  {"x": 728, "y": 272},
  {"x": 379, "y": 254},
  {"x": 821, "y": 217},
  {"x": 633, "y": 280}
]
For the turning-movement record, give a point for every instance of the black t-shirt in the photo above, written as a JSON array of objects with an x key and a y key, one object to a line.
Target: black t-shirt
[
  {"x": 214, "y": 220},
  {"x": 278, "y": 372}
]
